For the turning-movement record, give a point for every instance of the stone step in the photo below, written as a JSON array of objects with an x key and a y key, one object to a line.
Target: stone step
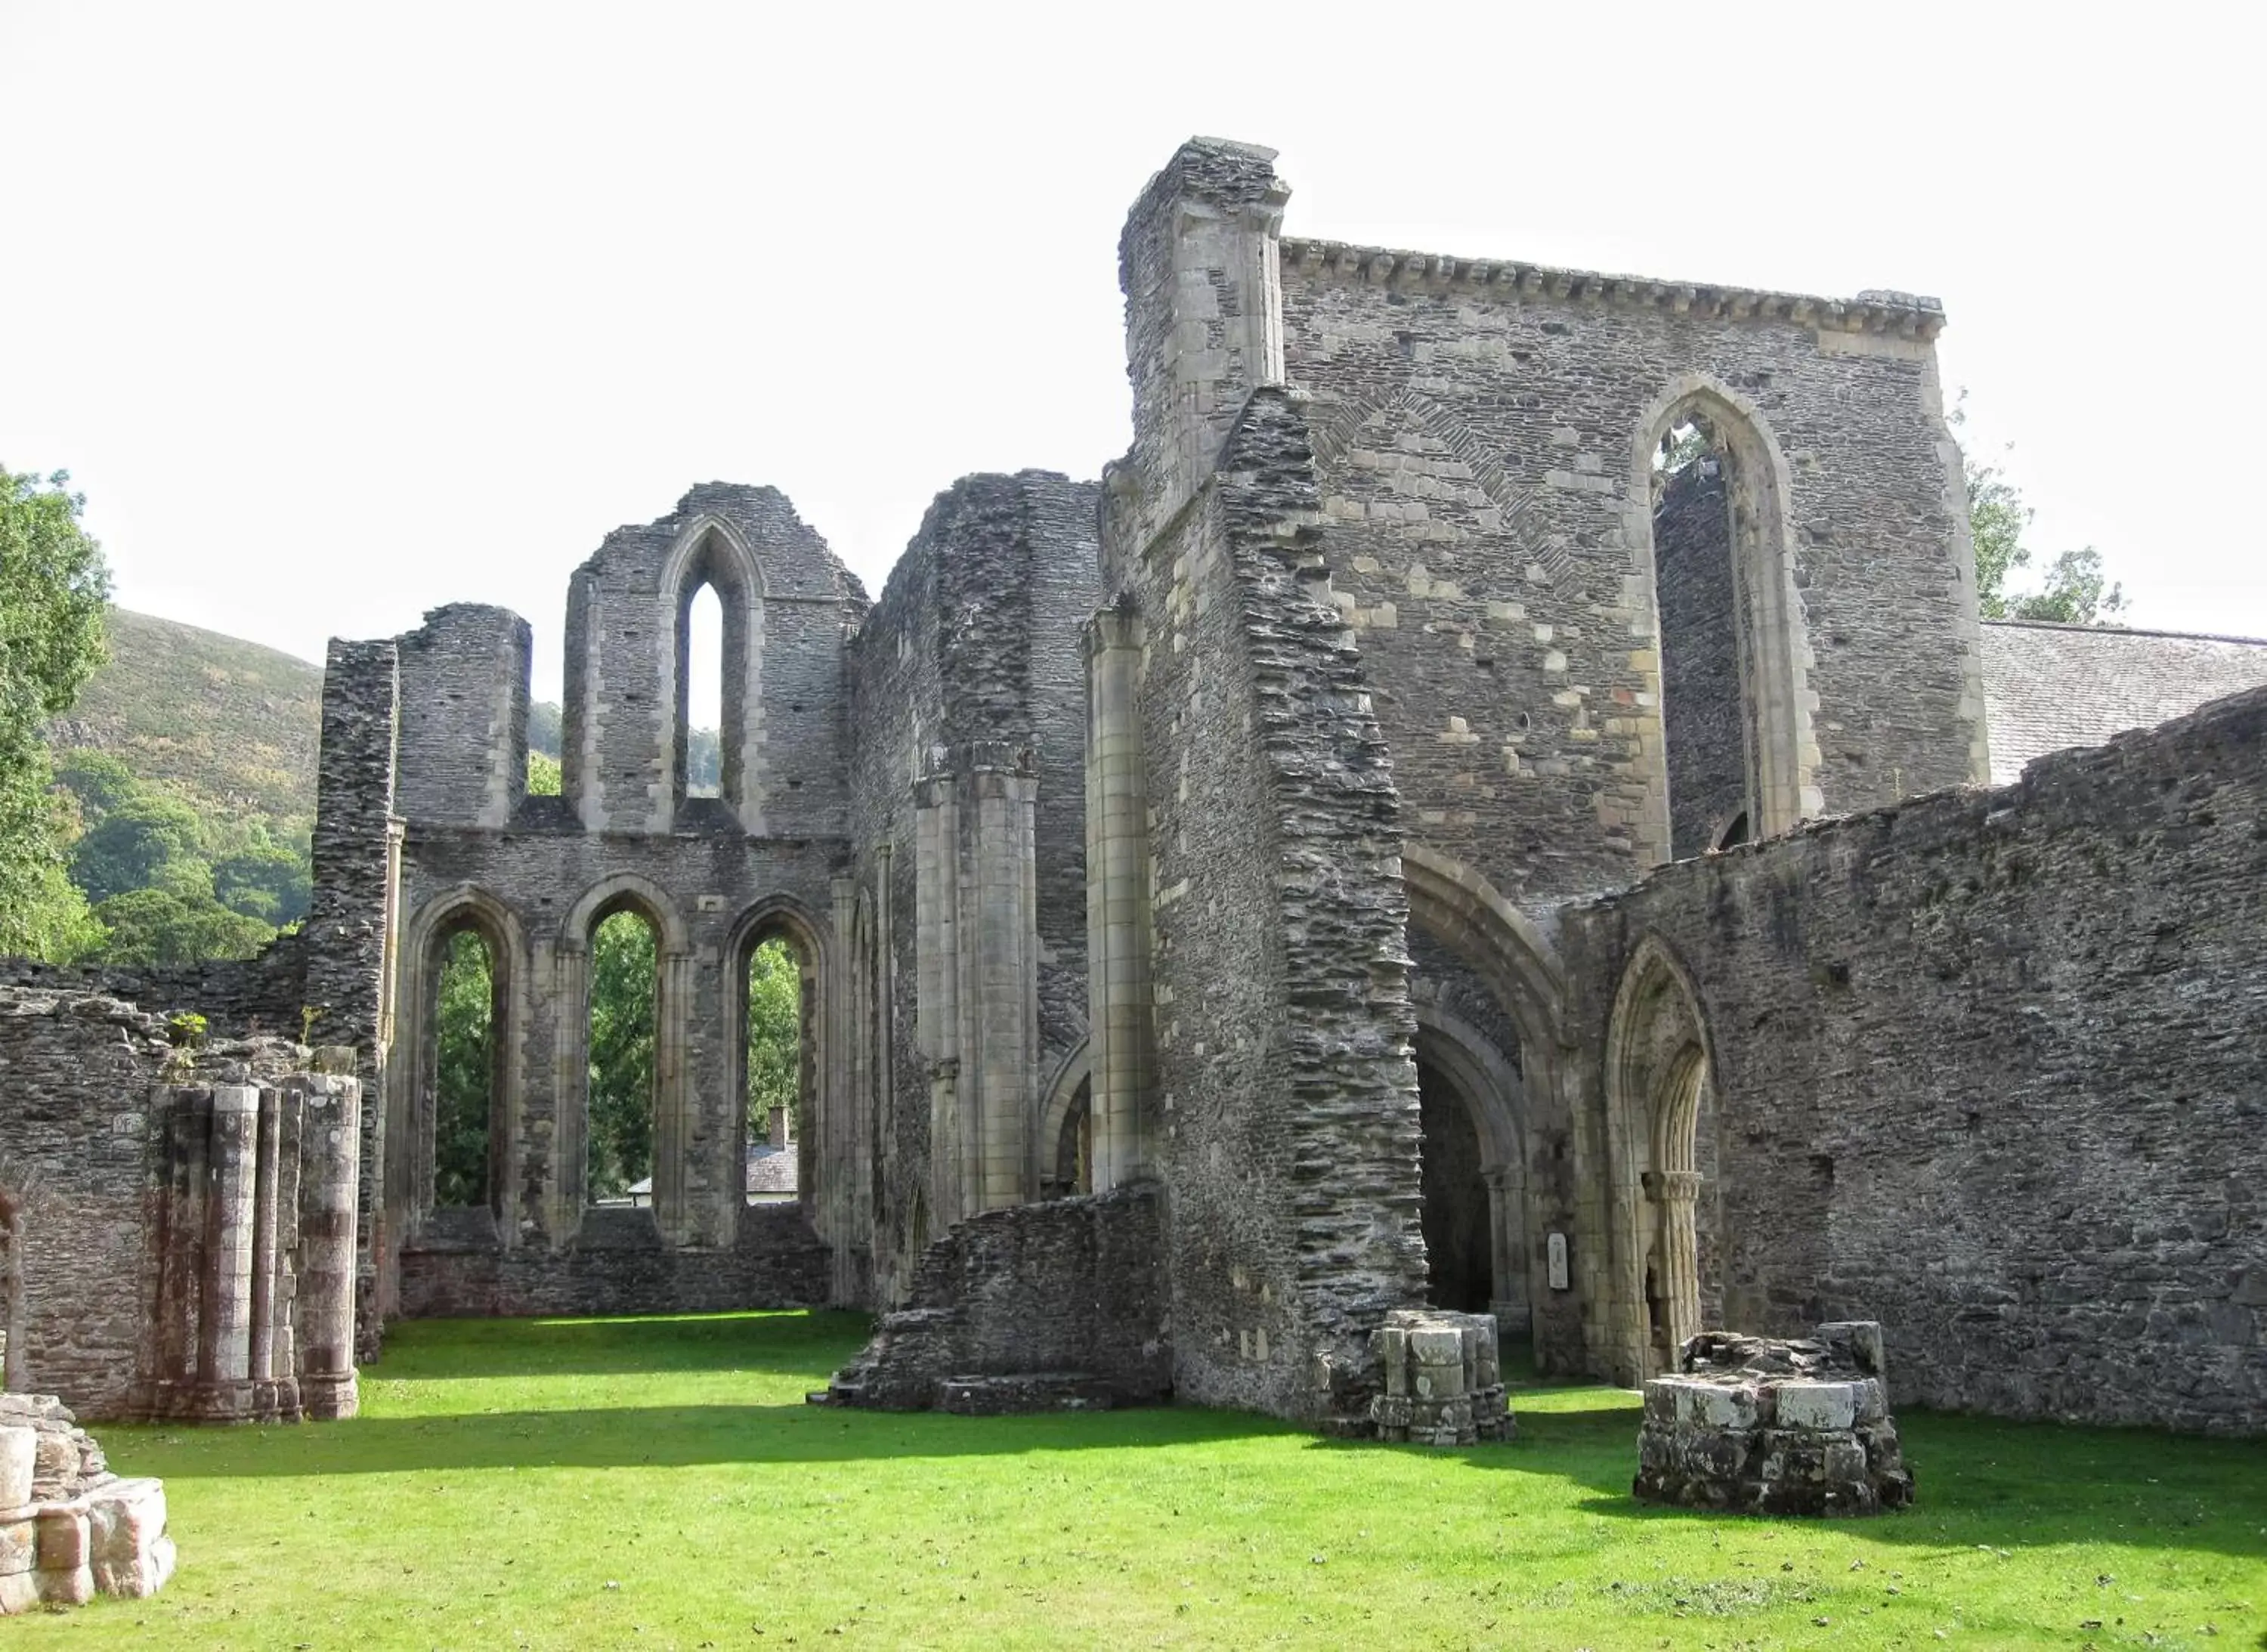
[{"x": 981, "y": 1396}]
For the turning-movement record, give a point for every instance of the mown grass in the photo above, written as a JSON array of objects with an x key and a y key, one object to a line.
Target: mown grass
[{"x": 659, "y": 1483}]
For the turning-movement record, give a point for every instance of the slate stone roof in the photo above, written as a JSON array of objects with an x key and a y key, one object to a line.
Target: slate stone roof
[{"x": 2047, "y": 686}]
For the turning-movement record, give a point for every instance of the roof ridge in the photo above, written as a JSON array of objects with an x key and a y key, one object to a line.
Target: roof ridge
[{"x": 2127, "y": 630}]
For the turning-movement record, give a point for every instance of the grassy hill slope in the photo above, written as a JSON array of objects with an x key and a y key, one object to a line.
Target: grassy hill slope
[{"x": 229, "y": 724}]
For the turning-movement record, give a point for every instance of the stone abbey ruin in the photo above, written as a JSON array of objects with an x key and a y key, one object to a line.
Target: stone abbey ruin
[{"x": 1483, "y": 809}]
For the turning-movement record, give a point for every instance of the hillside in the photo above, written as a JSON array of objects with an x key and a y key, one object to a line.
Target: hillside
[{"x": 230, "y": 725}]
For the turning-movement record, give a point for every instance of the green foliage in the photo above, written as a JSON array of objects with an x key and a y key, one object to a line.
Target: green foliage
[
  {"x": 542, "y": 774},
  {"x": 2075, "y": 591},
  {"x": 623, "y": 978},
  {"x": 265, "y": 879},
  {"x": 157, "y": 926},
  {"x": 774, "y": 1034},
  {"x": 465, "y": 1073},
  {"x": 488, "y": 1492},
  {"x": 53, "y": 589},
  {"x": 147, "y": 841},
  {"x": 186, "y": 1030}
]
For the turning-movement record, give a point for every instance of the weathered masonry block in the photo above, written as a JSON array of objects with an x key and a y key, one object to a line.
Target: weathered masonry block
[
  {"x": 1753, "y": 1425},
  {"x": 69, "y": 1529},
  {"x": 1444, "y": 1381}
]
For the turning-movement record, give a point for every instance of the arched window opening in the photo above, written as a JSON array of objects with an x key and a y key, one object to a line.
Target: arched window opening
[
  {"x": 1070, "y": 1169},
  {"x": 467, "y": 1064},
  {"x": 1703, "y": 683},
  {"x": 1733, "y": 662},
  {"x": 778, "y": 1065},
  {"x": 14, "y": 1354},
  {"x": 624, "y": 981},
  {"x": 1459, "y": 1243},
  {"x": 701, "y": 726}
]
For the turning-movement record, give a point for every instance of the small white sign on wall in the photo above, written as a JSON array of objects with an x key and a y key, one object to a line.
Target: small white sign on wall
[{"x": 1555, "y": 1254}]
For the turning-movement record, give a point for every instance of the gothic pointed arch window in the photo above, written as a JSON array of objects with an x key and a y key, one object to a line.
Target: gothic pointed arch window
[{"x": 1740, "y": 758}]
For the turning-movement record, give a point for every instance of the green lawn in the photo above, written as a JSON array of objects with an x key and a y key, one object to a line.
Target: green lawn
[{"x": 659, "y": 1483}]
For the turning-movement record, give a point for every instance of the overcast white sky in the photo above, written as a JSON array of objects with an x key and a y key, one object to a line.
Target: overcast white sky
[{"x": 338, "y": 313}]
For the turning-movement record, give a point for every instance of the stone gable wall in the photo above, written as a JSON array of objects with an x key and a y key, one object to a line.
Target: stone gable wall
[
  {"x": 1479, "y": 442},
  {"x": 1987, "y": 1067}
]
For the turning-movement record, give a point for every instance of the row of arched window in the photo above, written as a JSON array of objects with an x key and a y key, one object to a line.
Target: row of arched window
[{"x": 469, "y": 1069}]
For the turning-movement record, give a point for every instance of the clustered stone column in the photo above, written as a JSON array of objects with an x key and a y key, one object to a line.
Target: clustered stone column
[
  {"x": 1444, "y": 1381},
  {"x": 254, "y": 1246},
  {"x": 69, "y": 1529},
  {"x": 1758, "y": 1426}
]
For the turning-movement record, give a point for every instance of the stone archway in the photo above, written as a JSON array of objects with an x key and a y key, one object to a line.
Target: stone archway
[
  {"x": 1472, "y": 1102},
  {"x": 1658, "y": 1070}
]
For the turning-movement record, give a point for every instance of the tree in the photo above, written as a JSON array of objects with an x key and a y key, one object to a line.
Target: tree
[
  {"x": 542, "y": 775},
  {"x": 265, "y": 879},
  {"x": 2075, "y": 591},
  {"x": 146, "y": 841},
  {"x": 774, "y": 1034},
  {"x": 53, "y": 588},
  {"x": 158, "y": 925},
  {"x": 623, "y": 978}
]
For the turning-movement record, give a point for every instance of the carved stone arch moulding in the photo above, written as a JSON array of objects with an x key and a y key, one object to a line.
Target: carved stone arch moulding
[
  {"x": 1460, "y": 909},
  {"x": 1336, "y": 431},
  {"x": 1492, "y": 1090},
  {"x": 1061, "y": 1089},
  {"x": 625, "y": 891}
]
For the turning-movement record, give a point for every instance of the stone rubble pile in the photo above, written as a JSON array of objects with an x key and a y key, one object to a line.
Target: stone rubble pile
[
  {"x": 1444, "y": 1384},
  {"x": 1759, "y": 1426},
  {"x": 69, "y": 1529}
]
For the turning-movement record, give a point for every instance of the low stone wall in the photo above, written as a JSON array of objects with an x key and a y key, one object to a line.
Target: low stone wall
[
  {"x": 69, "y": 1529},
  {"x": 240, "y": 998},
  {"x": 616, "y": 1264},
  {"x": 1988, "y": 1068},
  {"x": 1073, "y": 1288}
]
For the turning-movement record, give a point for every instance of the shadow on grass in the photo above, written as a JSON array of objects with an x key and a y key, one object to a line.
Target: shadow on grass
[
  {"x": 1981, "y": 1481},
  {"x": 787, "y": 1341},
  {"x": 670, "y": 1436}
]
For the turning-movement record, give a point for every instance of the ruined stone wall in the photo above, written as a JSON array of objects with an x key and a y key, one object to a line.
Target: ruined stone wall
[
  {"x": 1484, "y": 433},
  {"x": 787, "y": 602},
  {"x": 966, "y": 680},
  {"x": 1072, "y": 1286},
  {"x": 1701, "y": 687},
  {"x": 184, "y": 1234},
  {"x": 703, "y": 888},
  {"x": 463, "y": 716},
  {"x": 253, "y": 997},
  {"x": 616, "y": 1265},
  {"x": 346, "y": 980},
  {"x": 1986, "y": 1067},
  {"x": 1285, "y": 1086},
  {"x": 76, "y": 1074}
]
